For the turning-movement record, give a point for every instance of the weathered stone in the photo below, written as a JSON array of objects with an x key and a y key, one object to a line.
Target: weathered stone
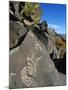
[
  {"x": 60, "y": 64},
  {"x": 17, "y": 30},
  {"x": 34, "y": 57},
  {"x": 32, "y": 64},
  {"x": 26, "y": 22}
]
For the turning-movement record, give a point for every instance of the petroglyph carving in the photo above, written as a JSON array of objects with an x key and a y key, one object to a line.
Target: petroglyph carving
[
  {"x": 39, "y": 58},
  {"x": 28, "y": 72},
  {"x": 37, "y": 46}
]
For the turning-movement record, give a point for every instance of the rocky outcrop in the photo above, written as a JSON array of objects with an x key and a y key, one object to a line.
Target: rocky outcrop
[
  {"x": 17, "y": 33},
  {"x": 34, "y": 59},
  {"x": 32, "y": 65}
]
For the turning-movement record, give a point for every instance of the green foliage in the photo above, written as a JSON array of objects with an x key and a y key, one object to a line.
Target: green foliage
[{"x": 34, "y": 10}]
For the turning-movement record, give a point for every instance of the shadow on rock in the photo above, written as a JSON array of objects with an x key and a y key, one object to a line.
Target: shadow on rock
[{"x": 60, "y": 64}]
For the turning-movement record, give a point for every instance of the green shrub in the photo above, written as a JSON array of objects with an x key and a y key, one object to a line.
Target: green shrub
[{"x": 34, "y": 10}]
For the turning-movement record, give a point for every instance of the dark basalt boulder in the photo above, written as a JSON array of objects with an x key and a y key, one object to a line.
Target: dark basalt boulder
[
  {"x": 41, "y": 32},
  {"x": 17, "y": 13},
  {"x": 60, "y": 64},
  {"x": 41, "y": 36},
  {"x": 12, "y": 7},
  {"x": 21, "y": 6},
  {"x": 17, "y": 33},
  {"x": 31, "y": 66},
  {"x": 13, "y": 18},
  {"x": 44, "y": 25},
  {"x": 34, "y": 59}
]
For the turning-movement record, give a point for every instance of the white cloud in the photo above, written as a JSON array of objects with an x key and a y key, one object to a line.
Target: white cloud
[
  {"x": 57, "y": 28},
  {"x": 54, "y": 26}
]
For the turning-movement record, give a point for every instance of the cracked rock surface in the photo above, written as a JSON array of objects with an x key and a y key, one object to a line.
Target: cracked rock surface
[
  {"x": 32, "y": 65},
  {"x": 34, "y": 60}
]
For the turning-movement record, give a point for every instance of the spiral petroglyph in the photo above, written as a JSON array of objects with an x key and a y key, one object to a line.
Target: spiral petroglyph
[{"x": 28, "y": 72}]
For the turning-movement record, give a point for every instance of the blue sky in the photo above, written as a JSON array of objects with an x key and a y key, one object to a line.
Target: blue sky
[{"x": 55, "y": 15}]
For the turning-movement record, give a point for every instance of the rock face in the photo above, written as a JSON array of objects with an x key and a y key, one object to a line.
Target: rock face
[
  {"x": 34, "y": 59},
  {"x": 32, "y": 66},
  {"x": 17, "y": 30}
]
